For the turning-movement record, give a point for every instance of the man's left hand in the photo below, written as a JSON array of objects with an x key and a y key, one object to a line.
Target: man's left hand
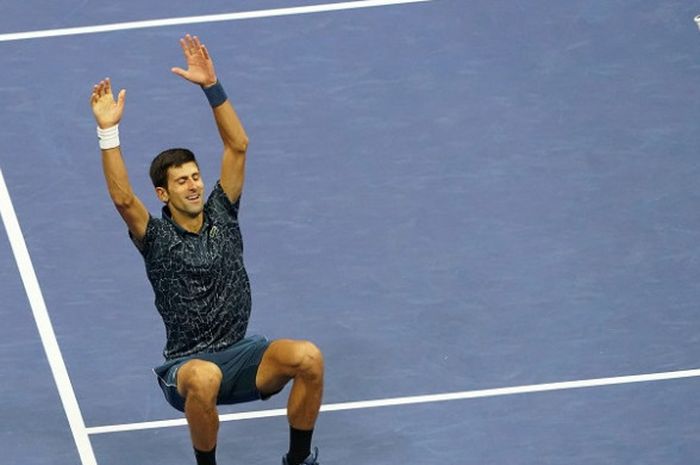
[{"x": 200, "y": 67}]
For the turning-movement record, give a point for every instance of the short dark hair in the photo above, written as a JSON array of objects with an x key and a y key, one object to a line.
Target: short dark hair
[{"x": 164, "y": 160}]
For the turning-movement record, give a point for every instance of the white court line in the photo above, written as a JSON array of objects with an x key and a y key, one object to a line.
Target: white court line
[
  {"x": 531, "y": 388},
  {"x": 43, "y": 323},
  {"x": 202, "y": 19}
]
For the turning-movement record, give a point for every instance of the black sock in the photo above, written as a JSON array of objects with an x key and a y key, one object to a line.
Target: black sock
[
  {"x": 299, "y": 445},
  {"x": 206, "y": 458}
]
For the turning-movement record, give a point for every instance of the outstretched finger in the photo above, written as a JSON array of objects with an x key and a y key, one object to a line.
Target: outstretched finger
[
  {"x": 120, "y": 100},
  {"x": 179, "y": 71},
  {"x": 189, "y": 43},
  {"x": 108, "y": 86},
  {"x": 185, "y": 49}
]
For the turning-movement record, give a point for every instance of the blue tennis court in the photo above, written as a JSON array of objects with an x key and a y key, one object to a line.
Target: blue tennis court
[{"x": 470, "y": 207}]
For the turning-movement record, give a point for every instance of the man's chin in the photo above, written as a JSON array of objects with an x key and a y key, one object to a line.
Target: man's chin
[{"x": 193, "y": 212}]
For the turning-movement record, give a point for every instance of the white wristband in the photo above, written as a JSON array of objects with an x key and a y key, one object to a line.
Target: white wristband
[{"x": 108, "y": 138}]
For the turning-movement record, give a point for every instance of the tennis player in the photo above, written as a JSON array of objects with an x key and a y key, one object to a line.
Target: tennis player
[{"x": 194, "y": 261}]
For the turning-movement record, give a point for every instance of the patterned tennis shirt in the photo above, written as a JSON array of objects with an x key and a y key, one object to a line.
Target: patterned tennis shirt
[{"x": 201, "y": 287}]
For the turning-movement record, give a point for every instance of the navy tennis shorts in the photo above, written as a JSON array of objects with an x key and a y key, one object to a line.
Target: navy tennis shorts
[{"x": 238, "y": 364}]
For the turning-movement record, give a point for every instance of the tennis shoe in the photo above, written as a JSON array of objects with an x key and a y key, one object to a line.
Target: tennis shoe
[{"x": 312, "y": 459}]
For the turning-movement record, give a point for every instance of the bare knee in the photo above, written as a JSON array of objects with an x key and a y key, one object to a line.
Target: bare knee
[
  {"x": 309, "y": 361},
  {"x": 200, "y": 380}
]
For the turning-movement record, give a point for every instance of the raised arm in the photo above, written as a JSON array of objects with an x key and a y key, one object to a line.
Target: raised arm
[
  {"x": 200, "y": 70},
  {"x": 108, "y": 113}
]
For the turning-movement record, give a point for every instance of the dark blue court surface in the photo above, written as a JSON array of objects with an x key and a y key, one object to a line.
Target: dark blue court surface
[{"x": 445, "y": 196}]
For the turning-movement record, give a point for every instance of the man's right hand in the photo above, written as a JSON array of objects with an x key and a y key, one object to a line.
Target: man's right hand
[{"x": 107, "y": 112}]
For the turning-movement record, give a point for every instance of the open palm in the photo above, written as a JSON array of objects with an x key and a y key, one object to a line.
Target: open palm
[
  {"x": 200, "y": 67},
  {"x": 107, "y": 111}
]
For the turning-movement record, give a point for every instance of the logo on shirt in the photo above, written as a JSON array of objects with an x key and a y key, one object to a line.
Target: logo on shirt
[{"x": 213, "y": 231}]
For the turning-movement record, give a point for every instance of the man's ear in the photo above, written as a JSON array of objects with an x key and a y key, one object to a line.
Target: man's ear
[{"x": 162, "y": 194}]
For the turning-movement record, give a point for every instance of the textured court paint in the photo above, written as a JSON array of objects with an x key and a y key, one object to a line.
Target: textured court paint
[
  {"x": 43, "y": 323},
  {"x": 546, "y": 387},
  {"x": 545, "y": 230},
  {"x": 202, "y": 19}
]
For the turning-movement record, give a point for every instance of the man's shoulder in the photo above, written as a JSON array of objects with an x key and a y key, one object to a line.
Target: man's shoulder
[
  {"x": 158, "y": 225},
  {"x": 219, "y": 206},
  {"x": 217, "y": 193},
  {"x": 159, "y": 232}
]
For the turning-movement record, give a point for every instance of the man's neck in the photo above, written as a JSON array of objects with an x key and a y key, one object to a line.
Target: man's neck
[{"x": 186, "y": 222}]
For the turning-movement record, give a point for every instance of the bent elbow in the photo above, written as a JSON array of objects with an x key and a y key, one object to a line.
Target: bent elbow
[
  {"x": 240, "y": 145},
  {"x": 123, "y": 201}
]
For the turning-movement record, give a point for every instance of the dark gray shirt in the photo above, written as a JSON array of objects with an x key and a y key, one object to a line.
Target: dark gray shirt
[{"x": 201, "y": 287}]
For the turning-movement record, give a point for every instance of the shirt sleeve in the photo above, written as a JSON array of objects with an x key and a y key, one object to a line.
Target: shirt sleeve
[
  {"x": 144, "y": 244},
  {"x": 219, "y": 204}
]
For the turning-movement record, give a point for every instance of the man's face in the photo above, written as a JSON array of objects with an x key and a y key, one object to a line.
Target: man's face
[{"x": 185, "y": 192}]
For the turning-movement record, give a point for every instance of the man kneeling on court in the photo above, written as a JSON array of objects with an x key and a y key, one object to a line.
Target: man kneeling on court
[{"x": 194, "y": 261}]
